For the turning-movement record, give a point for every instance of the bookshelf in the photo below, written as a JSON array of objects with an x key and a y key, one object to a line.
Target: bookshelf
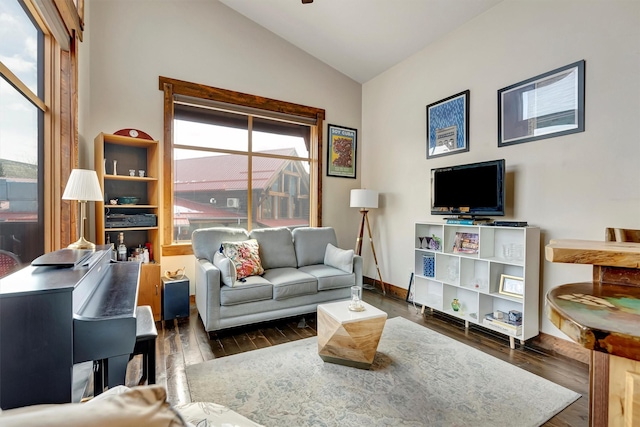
[{"x": 469, "y": 263}]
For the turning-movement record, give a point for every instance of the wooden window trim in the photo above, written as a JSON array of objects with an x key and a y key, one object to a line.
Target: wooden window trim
[{"x": 173, "y": 87}]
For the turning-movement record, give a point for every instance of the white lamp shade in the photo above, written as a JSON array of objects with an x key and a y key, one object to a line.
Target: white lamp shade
[
  {"x": 83, "y": 185},
  {"x": 361, "y": 198}
]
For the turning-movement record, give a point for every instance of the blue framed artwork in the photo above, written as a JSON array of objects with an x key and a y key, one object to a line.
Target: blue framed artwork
[{"x": 448, "y": 126}]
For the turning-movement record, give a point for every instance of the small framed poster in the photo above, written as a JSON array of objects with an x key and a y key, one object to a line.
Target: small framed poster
[{"x": 341, "y": 151}]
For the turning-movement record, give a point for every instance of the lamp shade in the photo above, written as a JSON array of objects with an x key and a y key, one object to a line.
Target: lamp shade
[
  {"x": 83, "y": 185},
  {"x": 361, "y": 198}
]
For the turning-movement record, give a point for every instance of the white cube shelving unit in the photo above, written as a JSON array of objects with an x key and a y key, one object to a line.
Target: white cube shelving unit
[{"x": 474, "y": 278}]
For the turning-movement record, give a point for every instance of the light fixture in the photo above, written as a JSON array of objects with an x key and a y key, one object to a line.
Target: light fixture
[
  {"x": 365, "y": 200},
  {"x": 84, "y": 187}
]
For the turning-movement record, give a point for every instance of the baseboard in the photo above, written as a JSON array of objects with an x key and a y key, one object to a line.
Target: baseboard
[
  {"x": 391, "y": 290},
  {"x": 562, "y": 347},
  {"x": 545, "y": 342}
]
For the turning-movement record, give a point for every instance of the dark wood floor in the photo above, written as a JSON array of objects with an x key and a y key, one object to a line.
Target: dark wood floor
[{"x": 185, "y": 342}]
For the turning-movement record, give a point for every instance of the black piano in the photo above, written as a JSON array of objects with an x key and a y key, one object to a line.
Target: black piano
[{"x": 58, "y": 314}]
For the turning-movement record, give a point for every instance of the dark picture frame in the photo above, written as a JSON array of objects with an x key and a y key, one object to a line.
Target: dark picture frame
[
  {"x": 544, "y": 106},
  {"x": 341, "y": 151},
  {"x": 410, "y": 291},
  {"x": 448, "y": 125}
]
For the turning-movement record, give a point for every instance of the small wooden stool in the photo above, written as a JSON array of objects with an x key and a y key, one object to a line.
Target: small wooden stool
[{"x": 146, "y": 334}]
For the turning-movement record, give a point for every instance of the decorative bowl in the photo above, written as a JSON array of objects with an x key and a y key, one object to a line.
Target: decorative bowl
[{"x": 128, "y": 200}]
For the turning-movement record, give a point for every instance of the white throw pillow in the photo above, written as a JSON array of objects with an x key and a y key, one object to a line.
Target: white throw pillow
[
  {"x": 339, "y": 258},
  {"x": 227, "y": 269}
]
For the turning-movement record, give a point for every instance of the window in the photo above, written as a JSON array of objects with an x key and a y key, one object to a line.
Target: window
[
  {"x": 38, "y": 127},
  {"x": 238, "y": 160},
  {"x": 22, "y": 112}
]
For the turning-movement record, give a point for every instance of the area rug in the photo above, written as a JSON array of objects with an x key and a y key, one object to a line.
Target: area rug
[{"x": 418, "y": 378}]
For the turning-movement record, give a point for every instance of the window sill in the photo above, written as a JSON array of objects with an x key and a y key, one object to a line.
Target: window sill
[{"x": 176, "y": 249}]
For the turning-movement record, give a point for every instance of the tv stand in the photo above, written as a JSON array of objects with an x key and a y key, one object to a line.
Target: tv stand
[{"x": 471, "y": 272}]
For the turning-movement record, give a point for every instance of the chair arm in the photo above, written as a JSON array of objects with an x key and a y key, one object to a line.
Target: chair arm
[{"x": 208, "y": 293}]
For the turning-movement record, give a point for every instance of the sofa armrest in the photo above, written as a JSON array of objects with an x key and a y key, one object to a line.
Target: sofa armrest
[
  {"x": 357, "y": 269},
  {"x": 208, "y": 293}
]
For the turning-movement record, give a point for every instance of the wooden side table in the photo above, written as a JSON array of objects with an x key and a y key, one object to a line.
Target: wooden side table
[
  {"x": 348, "y": 337},
  {"x": 603, "y": 316}
]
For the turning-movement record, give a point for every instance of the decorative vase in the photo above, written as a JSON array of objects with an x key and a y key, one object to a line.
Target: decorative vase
[
  {"x": 115, "y": 163},
  {"x": 455, "y": 304}
]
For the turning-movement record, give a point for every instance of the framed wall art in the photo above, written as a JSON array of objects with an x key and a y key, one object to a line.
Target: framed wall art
[
  {"x": 448, "y": 126},
  {"x": 545, "y": 106},
  {"x": 341, "y": 151}
]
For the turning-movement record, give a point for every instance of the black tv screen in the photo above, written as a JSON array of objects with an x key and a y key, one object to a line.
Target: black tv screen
[{"x": 475, "y": 189}]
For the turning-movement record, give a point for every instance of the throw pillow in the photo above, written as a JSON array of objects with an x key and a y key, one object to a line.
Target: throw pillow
[
  {"x": 227, "y": 269},
  {"x": 339, "y": 258},
  {"x": 245, "y": 256}
]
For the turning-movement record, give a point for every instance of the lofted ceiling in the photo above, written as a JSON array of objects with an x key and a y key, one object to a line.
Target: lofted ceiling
[{"x": 361, "y": 38}]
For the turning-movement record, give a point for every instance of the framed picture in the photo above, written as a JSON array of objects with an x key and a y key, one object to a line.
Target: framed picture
[
  {"x": 465, "y": 243},
  {"x": 545, "y": 106},
  {"x": 448, "y": 126},
  {"x": 341, "y": 152},
  {"x": 512, "y": 286},
  {"x": 410, "y": 290}
]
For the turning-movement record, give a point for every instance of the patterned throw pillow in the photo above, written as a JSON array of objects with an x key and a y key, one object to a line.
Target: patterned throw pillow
[{"x": 245, "y": 257}]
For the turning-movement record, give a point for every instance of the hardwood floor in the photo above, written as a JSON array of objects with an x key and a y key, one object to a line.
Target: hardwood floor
[{"x": 185, "y": 342}]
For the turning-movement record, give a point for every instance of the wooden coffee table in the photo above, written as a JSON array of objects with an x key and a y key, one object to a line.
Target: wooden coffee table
[{"x": 348, "y": 337}]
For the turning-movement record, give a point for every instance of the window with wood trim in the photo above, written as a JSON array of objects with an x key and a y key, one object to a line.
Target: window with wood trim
[
  {"x": 38, "y": 127},
  {"x": 238, "y": 160}
]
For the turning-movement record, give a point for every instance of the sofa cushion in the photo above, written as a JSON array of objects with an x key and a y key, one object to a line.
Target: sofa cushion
[
  {"x": 330, "y": 277},
  {"x": 140, "y": 406},
  {"x": 228, "y": 273},
  {"x": 311, "y": 244},
  {"x": 253, "y": 288},
  {"x": 206, "y": 241},
  {"x": 276, "y": 247},
  {"x": 290, "y": 282},
  {"x": 246, "y": 257},
  {"x": 339, "y": 258}
]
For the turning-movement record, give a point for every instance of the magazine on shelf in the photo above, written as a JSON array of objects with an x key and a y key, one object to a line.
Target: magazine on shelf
[{"x": 466, "y": 243}]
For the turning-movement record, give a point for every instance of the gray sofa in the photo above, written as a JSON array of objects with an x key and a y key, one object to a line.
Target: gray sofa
[{"x": 294, "y": 282}]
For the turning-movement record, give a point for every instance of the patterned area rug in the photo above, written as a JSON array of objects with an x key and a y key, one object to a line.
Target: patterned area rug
[{"x": 418, "y": 378}]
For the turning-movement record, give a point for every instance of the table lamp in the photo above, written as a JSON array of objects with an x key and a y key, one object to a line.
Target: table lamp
[
  {"x": 365, "y": 200},
  {"x": 82, "y": 186}
]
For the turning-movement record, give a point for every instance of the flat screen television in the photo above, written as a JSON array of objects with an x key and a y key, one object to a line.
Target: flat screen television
[{"x": 473, "y": 190}]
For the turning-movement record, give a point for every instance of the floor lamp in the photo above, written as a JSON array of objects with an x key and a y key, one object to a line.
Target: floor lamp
[
  {"x": 365, "y": 200},
  {"x": 82, "y": 186}
]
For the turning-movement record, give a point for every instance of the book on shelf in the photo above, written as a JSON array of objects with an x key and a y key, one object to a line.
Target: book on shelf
[
  {"x": 467, "y": 221},
  {"x": 504, "y": 324}
]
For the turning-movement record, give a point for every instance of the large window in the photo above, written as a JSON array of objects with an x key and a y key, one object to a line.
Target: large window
[
  {"x": 236, "y": 163},
  {"x": 38, "y": 124},
  {"x": 22, "y": 111}
]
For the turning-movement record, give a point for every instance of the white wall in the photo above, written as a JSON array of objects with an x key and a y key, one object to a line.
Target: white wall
[
  {"x": 571, "y": 186},
  {"x": 128, "y": 44}
]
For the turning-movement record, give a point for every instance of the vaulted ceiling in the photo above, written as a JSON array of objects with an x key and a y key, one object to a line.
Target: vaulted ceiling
[{"x": 361, "y": 38}]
